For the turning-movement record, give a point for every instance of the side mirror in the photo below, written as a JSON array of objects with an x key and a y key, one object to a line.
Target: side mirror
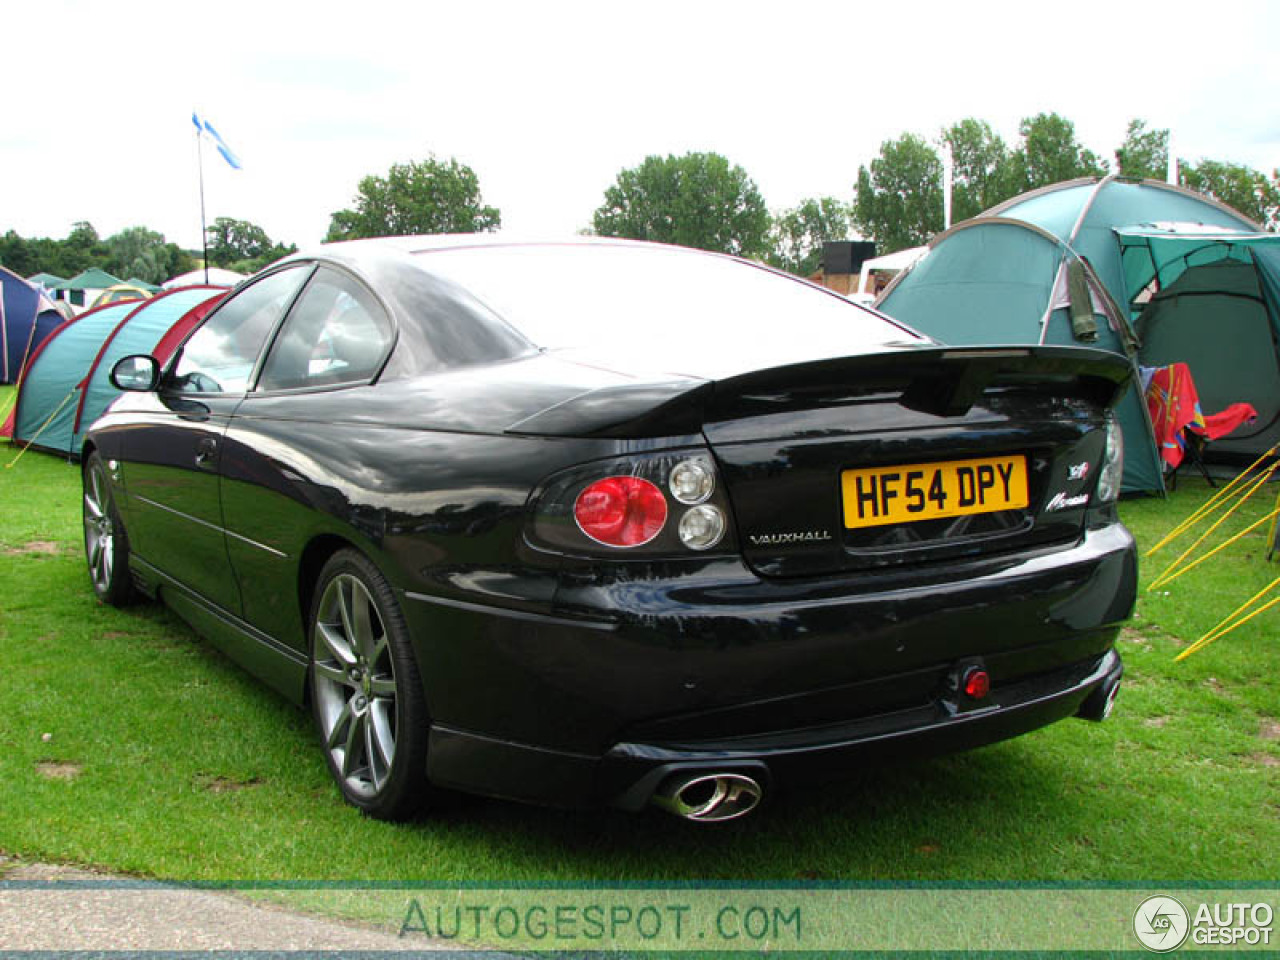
[{"x": 139, "y": 373}]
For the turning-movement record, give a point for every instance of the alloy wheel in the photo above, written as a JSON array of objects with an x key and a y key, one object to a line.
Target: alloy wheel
[
  {"x": 99, "y": 530},
  {"x": 354, "y": 685}
]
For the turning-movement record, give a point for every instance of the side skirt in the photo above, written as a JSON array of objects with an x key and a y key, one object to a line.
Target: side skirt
[{"x": 279, "y": 666}]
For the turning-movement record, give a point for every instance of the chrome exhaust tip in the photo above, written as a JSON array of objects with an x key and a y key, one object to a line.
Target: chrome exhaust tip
[
  {"x": 1099, "y": 704},
  {"x": 708, "y": 797}
]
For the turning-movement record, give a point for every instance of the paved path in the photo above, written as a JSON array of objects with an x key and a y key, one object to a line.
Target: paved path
[{"x": 63, "y": 909}]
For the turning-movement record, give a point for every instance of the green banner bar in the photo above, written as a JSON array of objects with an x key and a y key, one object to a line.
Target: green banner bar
[
  {"x": 96, "y": 914},
  {"x": 841, "y": 920}
]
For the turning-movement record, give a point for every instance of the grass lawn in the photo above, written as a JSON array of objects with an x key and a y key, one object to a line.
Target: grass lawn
[{"x": 128, "y": 744}]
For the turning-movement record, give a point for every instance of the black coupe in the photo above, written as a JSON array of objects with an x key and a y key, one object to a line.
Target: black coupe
[{"x": 602, "y": 522}]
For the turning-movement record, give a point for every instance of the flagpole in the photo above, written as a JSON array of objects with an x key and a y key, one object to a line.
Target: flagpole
[
  {"x": 204, "y": 233},
  {"x": 203, "y": 129},
  {"x": 948, "y": 174}
]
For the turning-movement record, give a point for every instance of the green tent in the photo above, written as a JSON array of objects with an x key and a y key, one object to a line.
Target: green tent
[
  {"x": 1212, "y": 299},
  {"x": 91, "y": 279},
  {"x": 46, "y": 280},
  {"x": 1050, "y": 267}
]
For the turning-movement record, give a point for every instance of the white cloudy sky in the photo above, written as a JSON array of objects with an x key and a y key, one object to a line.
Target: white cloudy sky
[{"x": 547, "y": 101}]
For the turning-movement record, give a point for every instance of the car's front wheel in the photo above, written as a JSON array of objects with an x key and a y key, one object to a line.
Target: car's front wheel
[
  {"x": 366, "y": 693},
  {"x": 106, "y": 544}
]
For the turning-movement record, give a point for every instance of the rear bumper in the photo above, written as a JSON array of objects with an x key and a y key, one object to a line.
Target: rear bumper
[
  {"x": 625, "y": 681},
  {"x": 633, "y": 771},
  {"x": 628, "y": 774}
]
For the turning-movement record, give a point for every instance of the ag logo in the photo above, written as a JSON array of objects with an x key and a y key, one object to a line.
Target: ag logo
[{"x": 1161, "y": 923}]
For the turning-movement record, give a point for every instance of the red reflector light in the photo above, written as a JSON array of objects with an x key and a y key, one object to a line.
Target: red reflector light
[
  {"x": 621, "y": 511},
  {"x": 977, "y": 684}
]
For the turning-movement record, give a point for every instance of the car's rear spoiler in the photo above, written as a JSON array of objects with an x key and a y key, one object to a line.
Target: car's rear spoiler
[{"x": 943, "y": 381}]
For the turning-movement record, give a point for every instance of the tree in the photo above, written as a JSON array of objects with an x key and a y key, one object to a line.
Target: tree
[
  {"x": 133, "y": 244},
  {"x": 1238, "y": 186},
  {"x": 38, "y": 255},
  {"x": 271, "y": 255},
  {"x": 82, "y": 249},
  {"x": 144, "y": 254},
  {"x": 133, "y": 252},
  {"x": 231, "y": 241},
  {"x": 799, "y": 233},
  {"x": 980, "y": 168},
  {"x": 18, "y": 254},
  {"x": 1050, "y": 153},
  {"x": 83, "y": 236},
  {"x": 428, "y": 196},
  {"x": 697, "y": 200},
  {"x": 1144, "y": 155},
  {"x": 898, "y": 200},
  {"x": 242, "y": 246}
]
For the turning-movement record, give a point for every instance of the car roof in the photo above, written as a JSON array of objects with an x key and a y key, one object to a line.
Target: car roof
[{"x": 381, "y": 246}]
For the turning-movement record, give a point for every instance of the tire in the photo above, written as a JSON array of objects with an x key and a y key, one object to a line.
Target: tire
[
  {"x": 366, "y": 691},
  {"x": 106, "y": 543}
]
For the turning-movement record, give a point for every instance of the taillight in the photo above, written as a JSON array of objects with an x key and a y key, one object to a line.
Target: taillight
[
  {"x": 702, "y": 527},
  {"x": 621, "y": 511},
  {"x": 665, "y": 504},
  {"x": 1112, "y": 471},
  {"x": 692, "y": 480}
]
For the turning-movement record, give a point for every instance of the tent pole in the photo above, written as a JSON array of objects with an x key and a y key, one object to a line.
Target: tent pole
[
  {"x": 1084, "y": 211},
  {"x": 4, "y": 336}
]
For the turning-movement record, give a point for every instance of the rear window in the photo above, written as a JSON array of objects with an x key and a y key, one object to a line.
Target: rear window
[{"x": 662, "y": 309}]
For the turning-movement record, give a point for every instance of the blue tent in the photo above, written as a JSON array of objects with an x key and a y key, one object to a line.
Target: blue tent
[
  {"x": 1049, "y": 267},
  {"x": 67, "y": 385},
  {"x": 26, "y": 319}
]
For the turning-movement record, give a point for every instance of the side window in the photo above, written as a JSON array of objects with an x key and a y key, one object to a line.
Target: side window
[
  {"x": 220, "y": 356},
  {"x": 336, "y": 333}
]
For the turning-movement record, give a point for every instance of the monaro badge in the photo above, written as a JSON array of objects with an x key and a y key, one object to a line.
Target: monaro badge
[
  {"x": 783, "y": 539},
  {"x": 1061, "y": 501}
]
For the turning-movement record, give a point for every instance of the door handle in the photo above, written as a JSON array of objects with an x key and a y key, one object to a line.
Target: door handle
[{"x": 206, "y": 452}]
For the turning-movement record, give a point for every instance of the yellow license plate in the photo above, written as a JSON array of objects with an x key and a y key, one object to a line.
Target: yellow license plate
[{"x": 928, "y": 491}]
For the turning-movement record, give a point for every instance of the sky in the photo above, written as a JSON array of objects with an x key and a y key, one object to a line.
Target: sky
[{"x": 548, "y": 101}]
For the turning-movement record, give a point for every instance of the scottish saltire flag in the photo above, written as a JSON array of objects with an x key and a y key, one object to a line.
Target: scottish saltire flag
[{"x": 205, "y": 128}]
